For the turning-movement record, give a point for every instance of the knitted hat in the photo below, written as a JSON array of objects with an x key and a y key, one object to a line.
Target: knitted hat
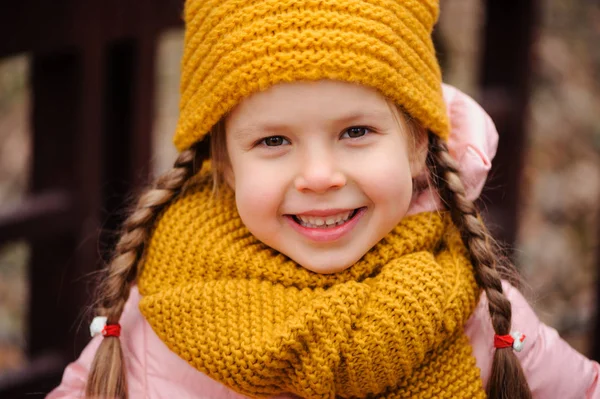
[{"x": 234, "y": 48}]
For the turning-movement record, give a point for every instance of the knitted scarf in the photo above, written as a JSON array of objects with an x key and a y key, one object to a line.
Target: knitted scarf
[{"x": 390, "y": 326}]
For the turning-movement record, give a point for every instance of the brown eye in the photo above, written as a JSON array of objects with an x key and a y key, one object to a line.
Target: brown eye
[
  {"x": 274, "y": 141},
  {"x": 356, "y": 132}
]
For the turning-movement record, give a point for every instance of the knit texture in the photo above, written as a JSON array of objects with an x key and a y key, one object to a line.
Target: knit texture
[
  {"x": 234, "y": 48},
  {"x": 390, "y": 326}
]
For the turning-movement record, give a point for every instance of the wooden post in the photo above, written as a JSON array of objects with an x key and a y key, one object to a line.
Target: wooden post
[
  {"x": 505, "y": 82},
  {"x": 92, "y": 82}
]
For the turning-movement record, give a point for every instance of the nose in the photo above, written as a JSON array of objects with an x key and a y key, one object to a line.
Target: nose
[{"x": 319, "y": 173}]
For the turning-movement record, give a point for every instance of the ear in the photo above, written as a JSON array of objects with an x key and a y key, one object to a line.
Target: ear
[{"x": 418, "y": 152}]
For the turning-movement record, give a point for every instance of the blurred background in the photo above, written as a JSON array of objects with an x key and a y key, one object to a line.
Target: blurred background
[{"x": 542, "y": 198}]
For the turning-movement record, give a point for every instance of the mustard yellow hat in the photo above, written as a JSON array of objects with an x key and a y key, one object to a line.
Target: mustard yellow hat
[{"x": 234, "y": 48}]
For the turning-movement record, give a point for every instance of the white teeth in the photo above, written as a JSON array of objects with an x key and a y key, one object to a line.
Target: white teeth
[{"x": 329, "y": 221}]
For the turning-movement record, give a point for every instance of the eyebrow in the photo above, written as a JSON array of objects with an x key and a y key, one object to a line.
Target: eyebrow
[
  {"x": 355, "y": 116},
  {"x": 281, "y": 127}
]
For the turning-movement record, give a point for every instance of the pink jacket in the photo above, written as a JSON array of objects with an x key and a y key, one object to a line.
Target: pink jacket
[{"x": 552, "y": 367}]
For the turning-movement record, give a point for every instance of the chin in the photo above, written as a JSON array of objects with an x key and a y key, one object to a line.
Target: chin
[{"x": 326, "y": 267}]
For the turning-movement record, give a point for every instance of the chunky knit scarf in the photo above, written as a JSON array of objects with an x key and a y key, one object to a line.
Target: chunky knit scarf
[{"x": 390, "y": 326}]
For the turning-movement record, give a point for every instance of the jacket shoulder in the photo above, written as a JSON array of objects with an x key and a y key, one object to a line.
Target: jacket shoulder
[
  {"x": 551, "y": 366},
  {"x": 153, "y": 370}
]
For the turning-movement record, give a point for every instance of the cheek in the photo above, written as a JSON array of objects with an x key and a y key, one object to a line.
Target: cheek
[
  {"x": 395, "y": 189},
  {"x": 388, "y": 182},
  {"x": 389, "y": 174},
  {"x": 258, "y": 196}
]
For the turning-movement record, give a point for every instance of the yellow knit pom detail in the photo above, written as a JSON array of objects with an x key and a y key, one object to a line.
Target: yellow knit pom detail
[{"x": 234, "y": 48}]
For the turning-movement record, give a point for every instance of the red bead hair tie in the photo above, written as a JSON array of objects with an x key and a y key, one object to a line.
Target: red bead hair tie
[
  {"x": 99, "y": 326},
  {"x": 514, "y": 340},
  {"x": 111, "y": 330}
]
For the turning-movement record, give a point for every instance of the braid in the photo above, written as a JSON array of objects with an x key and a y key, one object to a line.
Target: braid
[
  {"x": 107, "y": 374},
  {"x": 507, "y": 379}
]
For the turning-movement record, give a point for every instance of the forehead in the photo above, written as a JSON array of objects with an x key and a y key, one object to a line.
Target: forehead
[{"x": 301, "y": 102}]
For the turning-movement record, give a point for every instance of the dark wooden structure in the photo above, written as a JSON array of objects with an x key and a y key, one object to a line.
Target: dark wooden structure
[
  {"x": 92, "y": 79},
  {"x": 92, "y": 82}
]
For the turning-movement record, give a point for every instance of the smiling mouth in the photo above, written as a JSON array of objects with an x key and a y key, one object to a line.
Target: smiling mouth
[{"x": 319, "y": 222}]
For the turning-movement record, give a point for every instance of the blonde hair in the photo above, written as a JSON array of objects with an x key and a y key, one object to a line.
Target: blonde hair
[
  {"x": 107, "y": 375},
  {"x": 507, "y": 379}
]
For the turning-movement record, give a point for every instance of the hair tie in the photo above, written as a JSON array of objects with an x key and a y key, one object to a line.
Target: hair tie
[
  {"x": 514, "y": 340},
  {"x": 99, "y": 326}
]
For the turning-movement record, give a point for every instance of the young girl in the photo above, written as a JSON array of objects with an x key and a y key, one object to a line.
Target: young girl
[{"x": 331, "y": 247}]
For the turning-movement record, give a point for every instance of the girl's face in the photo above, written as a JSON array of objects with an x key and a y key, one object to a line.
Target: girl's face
[{"x": 321, "y": 170}]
